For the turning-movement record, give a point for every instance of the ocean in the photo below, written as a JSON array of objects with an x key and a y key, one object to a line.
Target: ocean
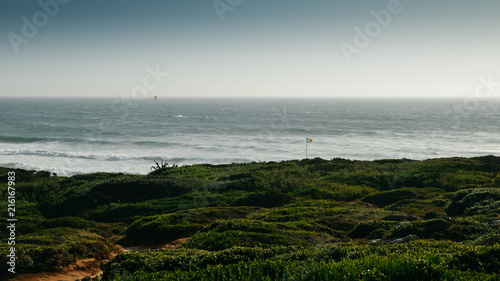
[{"x": 74, "y": 136}]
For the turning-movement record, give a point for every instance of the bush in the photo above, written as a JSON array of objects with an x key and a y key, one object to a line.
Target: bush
[
  {"x": 485, "y": 260},
  {"x": 366, "y": 229},
  {"x": 474, "y": 201},
  {"x": 268, "y": 199},
  {"x": 431, "y": 215},
  {"x": 491, "y": 238},
  {"x": 247, "y": 233},
  {"x": 334, "y": 223},
  {"x": 419, "y": 207},
  {"x": 311, "y": 192},
  {"x": 124, "y": 190},
  {"x": 72, "y": 222},
  {"x": 466, "y": 230},
  {"x": 385, "y": 198},
  {"x": 424, "y": 229},
  {"x": 457, "y": 230},
  {"x": 51, "y": 249},
  {"x": 181, "y": 224},
  {"x": 304, "y": 210}
]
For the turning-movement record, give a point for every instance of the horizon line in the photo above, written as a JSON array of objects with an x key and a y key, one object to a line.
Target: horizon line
[{"x": 252, "y": 98}]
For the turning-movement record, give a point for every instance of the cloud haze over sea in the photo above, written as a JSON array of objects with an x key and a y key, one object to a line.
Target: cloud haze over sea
[{"x": 257, "y": 48}]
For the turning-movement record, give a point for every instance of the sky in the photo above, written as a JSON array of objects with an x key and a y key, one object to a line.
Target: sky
[{"x": 249, "y": 48}]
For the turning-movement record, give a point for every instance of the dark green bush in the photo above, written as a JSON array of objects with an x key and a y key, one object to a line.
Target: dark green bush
[
  {"x": 431, "y": 215},
  {"x": 434, "y": 228},
  {"x": 474, "y": 201},
  {"x": 248, "y": 233},
  {"x": 485, "y": 260},
  {"x": 419, "y": 207},
  {"x": 466, "y": 229},
  {"x": 311, "y": 192},
  {"x": 490, "y": 238},
  {"x": 72, "y": 222},
  {"x": 385, "y": 198},
  {"x": 335, "y": 223},
  {"x": 123, "y": 190},
  {"x": 457, "y": 230},
  {"x": 181, "y": 224},
  {"x": 153, "y": 233},
  {"x": 268, "y": 199},
  {"x": 51, "y": 249},
  {"x": 364, "y": 229}
]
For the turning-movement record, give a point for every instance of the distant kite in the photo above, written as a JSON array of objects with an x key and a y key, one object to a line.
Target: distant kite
[{"x": 155, "y": 97}]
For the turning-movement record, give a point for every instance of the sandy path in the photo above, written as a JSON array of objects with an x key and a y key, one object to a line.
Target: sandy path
[{"x": 75, "y": 271}]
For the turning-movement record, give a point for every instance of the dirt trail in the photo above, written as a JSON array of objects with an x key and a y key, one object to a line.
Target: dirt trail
[
  {"x": 78, "y": 270},
  {"x": 88, "y": 267},
  {"x": 174, "y": 244},
  {"x": 75, "y": 271}
]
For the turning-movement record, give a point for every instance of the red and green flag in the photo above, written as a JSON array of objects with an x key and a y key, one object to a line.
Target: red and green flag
[{"x": 309, "y": 140}]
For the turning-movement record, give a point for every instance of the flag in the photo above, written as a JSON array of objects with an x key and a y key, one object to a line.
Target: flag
[{"x": 309, "y": 140}]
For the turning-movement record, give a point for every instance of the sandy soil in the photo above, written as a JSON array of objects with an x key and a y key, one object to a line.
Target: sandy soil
[
  {"x": 174, "y": 244},
  {"x": 78, "y": 270}
]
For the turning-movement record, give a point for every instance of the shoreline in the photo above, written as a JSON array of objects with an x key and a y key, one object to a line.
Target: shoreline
[{"x": 253, "y": 162}]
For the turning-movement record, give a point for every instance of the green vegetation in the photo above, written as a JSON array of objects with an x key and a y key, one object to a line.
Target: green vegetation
[
  {"x": 416, "y": 260},
  {"x": 312, "y": 219},
  {"x": 475, "y": 201},
  {"x": 168, "y": 227},
  {"x": 49, "y": 249}
]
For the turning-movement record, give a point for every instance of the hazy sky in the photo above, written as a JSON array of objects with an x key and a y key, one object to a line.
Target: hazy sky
[{"x": 248, "y": 48}]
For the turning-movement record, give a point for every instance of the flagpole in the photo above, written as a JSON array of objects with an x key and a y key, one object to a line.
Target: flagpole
[{"x": 307, "y": 140}]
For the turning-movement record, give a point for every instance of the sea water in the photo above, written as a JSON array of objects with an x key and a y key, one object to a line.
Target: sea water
[{"x": 72, "y": 136}]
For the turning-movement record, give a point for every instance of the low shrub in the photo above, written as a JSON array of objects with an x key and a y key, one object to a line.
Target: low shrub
[
  {"x": 268, "y": 199},
  {"x": 456, "y": 230},
  {"x": 312, "y": 192},
  {"x": 434, "y": 228},
  {"x": 51, "y": 249},
  {"x": 124, "y": 190},
  {"x": 249, "y": 233},
  {"x": 385, "y": 198},
  {"x": 168, "y": 227},
  {"x": 466, "y": 229},
  {"x": 72, "y": 222},
  {"x": 419, "y": 207},
  {"x": 368, "y": 229},
  {"x": 474, "y": 201},
  {"x": 483, "y": 260}
]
